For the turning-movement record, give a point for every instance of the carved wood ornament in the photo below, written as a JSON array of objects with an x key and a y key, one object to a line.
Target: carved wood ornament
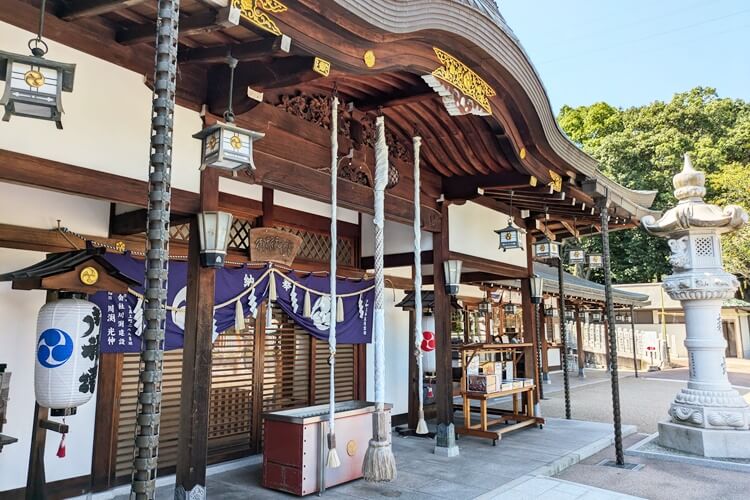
[{"x": 316, "y": 109}]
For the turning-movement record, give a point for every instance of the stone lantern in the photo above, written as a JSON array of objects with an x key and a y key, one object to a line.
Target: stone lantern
[{"x": 708, "y": 418}]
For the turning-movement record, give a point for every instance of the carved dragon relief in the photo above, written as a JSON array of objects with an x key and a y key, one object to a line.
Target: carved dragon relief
[{"x": 316, "y": 109}]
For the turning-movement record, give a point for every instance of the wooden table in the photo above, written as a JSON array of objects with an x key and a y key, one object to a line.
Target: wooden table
[{"x": 521, "y": 418}]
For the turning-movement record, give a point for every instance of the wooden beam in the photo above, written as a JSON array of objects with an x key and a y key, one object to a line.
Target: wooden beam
[
  {"x": 397, "y": 260},
  {"x": 134, "y": 222},
  {"x": 72, "y": 10},
  {"x": 284, "y": 72},
  {"x": 266, "y": 48},
  {"x": 19, "y": 168},
  {"x": 202, "y": 22},
  {"x": 465, "y": 187},
  {"x": 507, "y": 271}
]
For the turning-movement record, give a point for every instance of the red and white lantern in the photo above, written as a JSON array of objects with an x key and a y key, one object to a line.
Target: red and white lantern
[{"x": 67, "y": 353}]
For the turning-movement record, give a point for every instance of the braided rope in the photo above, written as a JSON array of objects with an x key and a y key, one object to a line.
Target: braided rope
[
  {"x": 334, "y": 236},
  {"x": 417, "y": 141},
  {"x": 381, "y": 178}
]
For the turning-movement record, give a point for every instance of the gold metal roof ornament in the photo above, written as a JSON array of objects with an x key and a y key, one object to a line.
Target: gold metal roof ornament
[
  {"x": 470, "y": 86},
  {"x": 255, "y": 12},
  {"x": 556, "y": 182},
  {"x": 692, "y": 211}
]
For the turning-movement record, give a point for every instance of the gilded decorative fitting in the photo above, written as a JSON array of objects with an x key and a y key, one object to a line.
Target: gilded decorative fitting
[
  {"x": 369, "y": 58},
  {"x": 690, "y": 182},
  {"x": 321, "y": 66},
  {"x": 464, "y": 79},
  {"x": 556, "y": 183},
  {"x": 255, "y": 12}
]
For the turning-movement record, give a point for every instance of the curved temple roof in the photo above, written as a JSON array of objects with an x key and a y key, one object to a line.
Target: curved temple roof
[{"x": 491, "y": 35}]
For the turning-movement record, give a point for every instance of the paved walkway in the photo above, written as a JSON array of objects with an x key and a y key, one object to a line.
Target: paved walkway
[
  {"x": 546, "y": 488},
  {"x": 481, "y": 470}
]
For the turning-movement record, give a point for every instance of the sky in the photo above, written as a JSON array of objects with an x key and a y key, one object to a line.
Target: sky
[{"x": 633, "y": 52}]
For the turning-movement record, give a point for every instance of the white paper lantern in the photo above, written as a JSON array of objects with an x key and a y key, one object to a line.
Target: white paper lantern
[{"x": 67, "y": 354}]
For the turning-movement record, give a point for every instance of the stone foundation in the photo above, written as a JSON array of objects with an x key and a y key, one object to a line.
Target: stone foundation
[{"x": 711, "y": 443}]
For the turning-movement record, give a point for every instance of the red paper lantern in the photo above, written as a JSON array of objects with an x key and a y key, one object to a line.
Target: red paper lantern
[{"x": 428, "y": 341}]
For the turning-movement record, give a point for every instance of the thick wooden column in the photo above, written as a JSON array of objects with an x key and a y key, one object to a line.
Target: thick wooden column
[
  {"x": 414, "y": 385},
  {"x": 579, "y": 340},
  {"x": 108, "y": 384},
  {"x": 545, "y": 345},
  {"x": 192, "y": 446},
  {"x": 446, "y": 438},
  {"x": 529, "y": 329}
]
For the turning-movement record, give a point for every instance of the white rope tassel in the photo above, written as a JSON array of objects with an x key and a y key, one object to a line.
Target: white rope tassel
[
  {"x": 421, "y": 424},
  {"x": 239, "y": 316},
  {"x": 333, "y": 460},
  {"x": 379, "y": 464}
]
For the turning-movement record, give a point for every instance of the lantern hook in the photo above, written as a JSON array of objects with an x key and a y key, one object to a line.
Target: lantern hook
[
  {"x": 510, "y": 215},
  {"x": 232, "y": 63},
  {"x": 37, "y": 46}
]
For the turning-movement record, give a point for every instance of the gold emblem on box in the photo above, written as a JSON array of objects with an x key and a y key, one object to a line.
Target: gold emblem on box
[
  {"x": 321, "y": 66},
  {"x": 351, "y": 448}
]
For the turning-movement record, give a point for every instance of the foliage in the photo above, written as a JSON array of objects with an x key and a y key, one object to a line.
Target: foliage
[{"x": 643, "y": 147}]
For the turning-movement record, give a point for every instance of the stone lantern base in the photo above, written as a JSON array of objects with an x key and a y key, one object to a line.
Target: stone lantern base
[{"x": 710, "y": 443}]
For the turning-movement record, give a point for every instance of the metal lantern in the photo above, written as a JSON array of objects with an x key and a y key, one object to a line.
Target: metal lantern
[
  {"x": 596, "y": 317},
  {"x": 576, "y": 256},
  {"x": 214, "y": 229},
  {"x": 509, "y": 308},
  {"x": 594, "y": 260},
  {"x": 551, "y": 312},
  {"x": 547, "y": 249},
  {"x": 452, "y": 269},
  {"x": 537, "y": 285},
  {"x": 227, "y": 147},
  {"x": 509, "y": 237},
  {"x": 569, "y": 315},
  {"x": 67, "y": 351},
  {"x": 484, "y": 307},
  {"x": 33, "y": 85}
]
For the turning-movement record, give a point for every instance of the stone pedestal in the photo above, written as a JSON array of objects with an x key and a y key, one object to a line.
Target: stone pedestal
[
  {"x": 709, "y": 418},
  {"x": 711, "y": 443},
  {"x": 445, "y": 441}
]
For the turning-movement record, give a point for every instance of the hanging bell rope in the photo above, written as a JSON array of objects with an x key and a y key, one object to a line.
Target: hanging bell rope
[
  {"x": 421, "y": 424},
  {"x": 379, "y": 464},
  {"x": 333, "y": 460}
]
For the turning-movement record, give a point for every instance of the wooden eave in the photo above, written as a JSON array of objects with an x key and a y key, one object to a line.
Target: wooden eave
[{"x": 470, "y": 148}]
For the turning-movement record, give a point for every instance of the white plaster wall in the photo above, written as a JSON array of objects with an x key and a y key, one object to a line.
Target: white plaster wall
[
  {"x": 31, "y": 207},
  {"x": 472, "y": 231},
  {"x": 312, "y": 206},
  {"x": 398, "y": 238},
  {"x": 19, "y": 308},
  {"x": 397, "y": 352},
  {"x": 243, "y": 189},
  {"x": 106, "y": 121}
]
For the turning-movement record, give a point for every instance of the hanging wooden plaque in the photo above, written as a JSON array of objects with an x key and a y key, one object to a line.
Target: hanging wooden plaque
[{"x": 268, "y": 244}]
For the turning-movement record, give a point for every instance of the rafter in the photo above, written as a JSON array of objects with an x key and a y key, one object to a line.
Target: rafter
[
  {"x": 203, "y": 22},
  {"x": 72, "y": 10},
  {"x": 244, "y": 52}
]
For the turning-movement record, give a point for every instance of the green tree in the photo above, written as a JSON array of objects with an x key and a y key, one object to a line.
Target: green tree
[{"x": 642, "y": 148}]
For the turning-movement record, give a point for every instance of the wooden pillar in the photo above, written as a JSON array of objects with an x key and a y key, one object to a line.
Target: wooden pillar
[
  {"x": 579, "y": 341},
  {"x": 443, "y": 361},
  {"x": 104, "y": 457},
  {"x": 545, "y": 345},
  {"x": 268, "y": 208},
  {"x": 529, "y": 325},
  {"x": 192, "y": 445},
  {"x": 414, "y": 385},
  {"x": 608, "y": 361}
]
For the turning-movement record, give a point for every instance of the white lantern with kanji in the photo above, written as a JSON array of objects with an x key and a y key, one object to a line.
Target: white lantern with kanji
[{"x": 67, "y": 353}]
